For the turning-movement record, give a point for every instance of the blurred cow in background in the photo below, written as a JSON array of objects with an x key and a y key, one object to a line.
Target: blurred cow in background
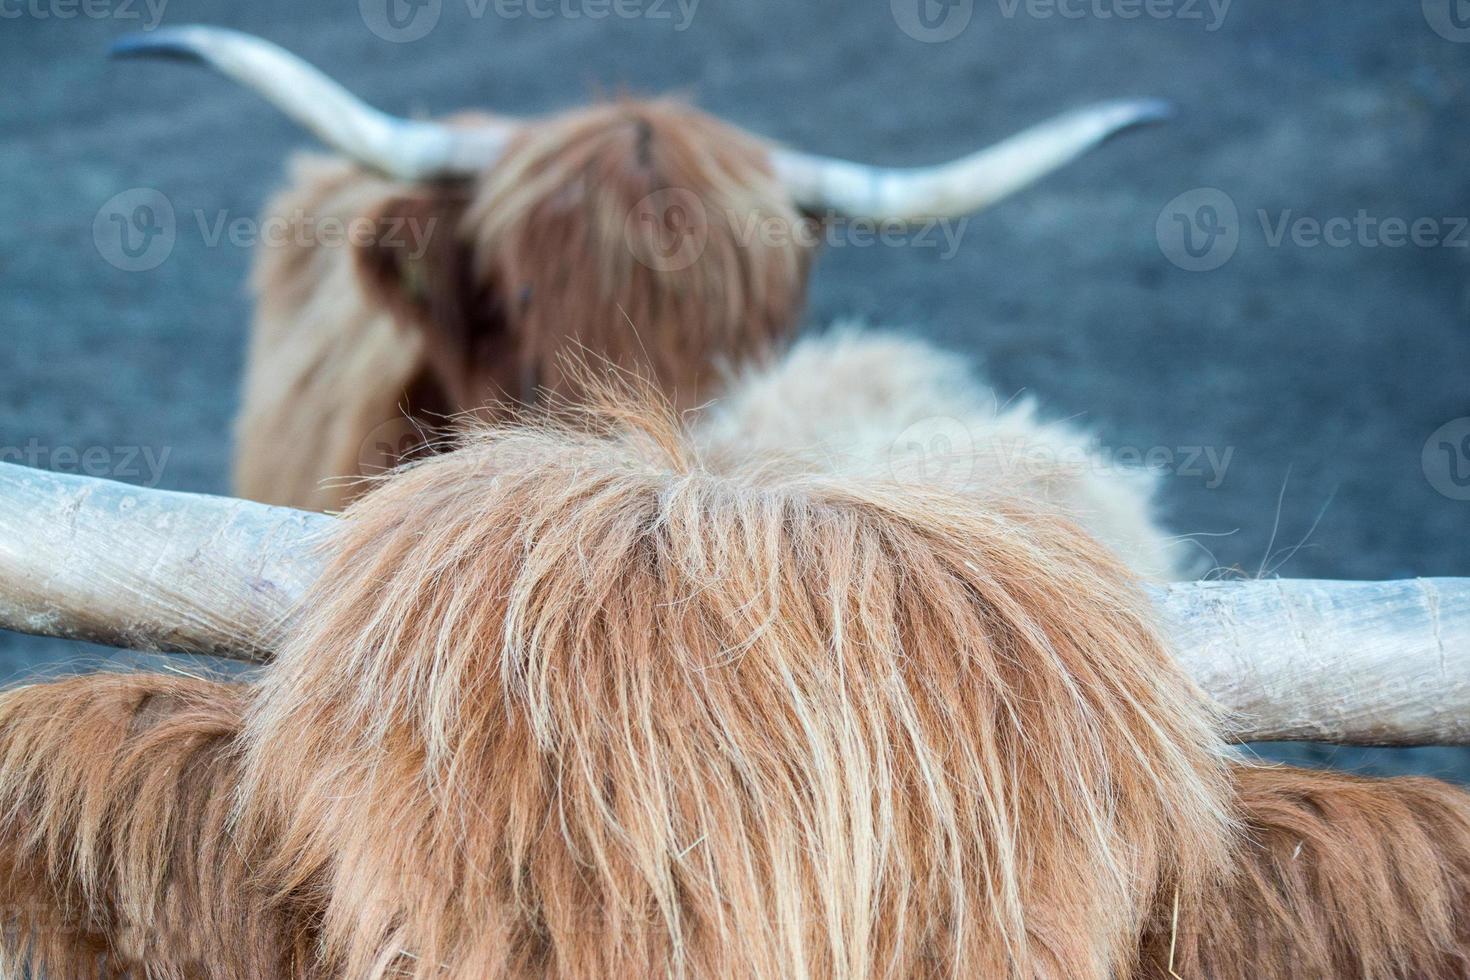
[{"x": 629, "y": 230}]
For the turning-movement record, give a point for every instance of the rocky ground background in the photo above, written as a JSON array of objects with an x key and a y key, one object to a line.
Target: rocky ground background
[{"x": 1288, "y": 382}]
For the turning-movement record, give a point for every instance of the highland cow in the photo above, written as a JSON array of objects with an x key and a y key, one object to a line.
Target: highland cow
[
  {"x": 494, "y": 247},
  {"x": 613, "y": 696}
]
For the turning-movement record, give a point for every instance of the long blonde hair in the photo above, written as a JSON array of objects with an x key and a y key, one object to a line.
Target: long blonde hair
[{"x": 572, "y": 704}]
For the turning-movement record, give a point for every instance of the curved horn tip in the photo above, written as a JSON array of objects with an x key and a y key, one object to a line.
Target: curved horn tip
[
  {"x": 169, "y": 42},
  {"x": 1145, "y": 112}
]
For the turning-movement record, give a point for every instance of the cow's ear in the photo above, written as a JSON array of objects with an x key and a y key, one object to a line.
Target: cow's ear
[
  {"x": 418, "y": 264},
  {"x": 409, "y": 255}
]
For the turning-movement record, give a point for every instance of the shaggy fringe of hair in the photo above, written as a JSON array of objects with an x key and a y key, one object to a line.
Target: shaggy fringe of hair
[
  {"x": 326, "y": 363},
  {"x": 573, "y": 702},
  {"x": 585, "y": 215},
  {"x": 569, "y": 704}
]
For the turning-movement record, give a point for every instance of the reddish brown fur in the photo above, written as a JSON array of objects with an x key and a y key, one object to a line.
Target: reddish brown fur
[
  {"x": 1337, "y": 876},
  {"x": 118, "y": 854},
  {"x": 327, "y": 367},
  {"x": 667, "y": 722},
  {"x": 576, "y": 705},
  {"x": 555, "y": 249}
]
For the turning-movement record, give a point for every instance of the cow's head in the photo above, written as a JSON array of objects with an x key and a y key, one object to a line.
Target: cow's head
[{"x": 646, "y": 233}]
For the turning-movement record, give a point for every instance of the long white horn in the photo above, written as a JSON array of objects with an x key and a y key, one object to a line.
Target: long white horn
[
  {"x": 401, "y": 148},
  {"x": 1374, "y": 663},
  {"x": 1371, "y": 663},
  {"x": 109, "y": 563},
  {"x": 962, "y": 186}
]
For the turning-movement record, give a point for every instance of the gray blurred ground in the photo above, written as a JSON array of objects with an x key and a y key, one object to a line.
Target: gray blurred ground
[{"x": 1322, "y": 369}]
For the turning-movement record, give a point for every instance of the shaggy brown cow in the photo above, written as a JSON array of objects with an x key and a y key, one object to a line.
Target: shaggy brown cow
[
  {"x": 484, "y": 252},
  {"x": 616, "y": 699}
]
